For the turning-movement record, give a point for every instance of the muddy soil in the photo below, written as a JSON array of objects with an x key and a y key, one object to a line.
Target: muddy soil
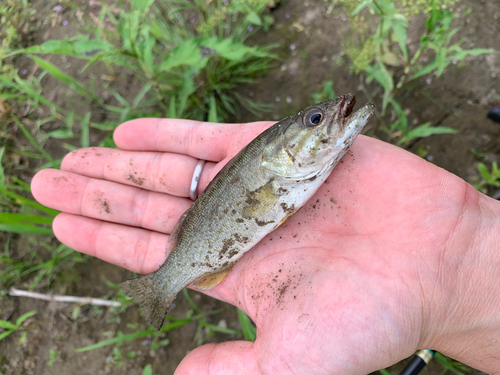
[{"x": 309, "y": 42}]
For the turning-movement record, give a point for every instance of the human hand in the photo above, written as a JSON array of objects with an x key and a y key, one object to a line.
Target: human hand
[{"x": 376, "y": 265}]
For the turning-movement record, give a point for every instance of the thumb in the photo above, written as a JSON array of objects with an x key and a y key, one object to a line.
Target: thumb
[{"x": 228, "y": 358}]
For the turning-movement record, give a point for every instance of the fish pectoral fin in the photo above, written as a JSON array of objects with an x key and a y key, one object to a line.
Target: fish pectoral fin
[{"x": 209, "y": 281}]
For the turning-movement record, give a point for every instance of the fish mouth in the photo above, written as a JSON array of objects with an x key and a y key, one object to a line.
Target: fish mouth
[{"x": 345, "y": 109}]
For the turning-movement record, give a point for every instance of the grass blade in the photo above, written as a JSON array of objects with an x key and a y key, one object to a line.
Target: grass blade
[
  {"x": 30, "y": 138},
  {"x": 249, "y": 331}
]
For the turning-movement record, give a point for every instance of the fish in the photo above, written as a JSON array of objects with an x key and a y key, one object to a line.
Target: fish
[{"x": 253, "y": 194}]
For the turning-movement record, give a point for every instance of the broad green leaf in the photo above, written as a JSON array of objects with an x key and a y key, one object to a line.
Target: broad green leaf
[
  {"x": 84, "y": 125},
  {"x": 424, "y": 70},
  {"x": 83, "y": 48},
  {"x": 253, "y": 18},
  {"x": 141, "y": 94},
  {"x": 15, "y": 218},
  {"x": 171, "y": 108},
  {"x": 362, "y": 5},
  {"x": 188, "y": 53},
  {"x": 29, "y": 202},
  {"x": 187, "y": 88},
  {"x": 7, "y": 325},
  {"x": 212, "y": 110},
  {"x": 249, "y": 331},
  {"x": 400, "y": 26},
  {"x": 25, "y": 316},
  {"x": 59, "y": 134},
  {"x": 232, "y": 50},
  {"x": 63, "y": 77},
  {"x": 380, "y": 73},
  {"x": 142, "y": 5},
  {"x": 462, "y": 54},
  {"x": 426, "y": 130},
  {"x": 25, "y": 228},
  {"x": 134, "y": 19}
]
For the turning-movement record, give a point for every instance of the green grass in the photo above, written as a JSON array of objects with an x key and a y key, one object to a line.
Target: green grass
[
  {"x": 9, "y": 327},
  {"x": 203, "y": 332},
  {"x": 382, "y": 56}
]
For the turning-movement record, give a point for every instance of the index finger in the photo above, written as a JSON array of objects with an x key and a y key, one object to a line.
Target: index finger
[{"x": 201, "y": 140}]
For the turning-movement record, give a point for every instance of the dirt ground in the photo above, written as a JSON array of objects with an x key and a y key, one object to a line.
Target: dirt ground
[{"x": 309, "y": 40}]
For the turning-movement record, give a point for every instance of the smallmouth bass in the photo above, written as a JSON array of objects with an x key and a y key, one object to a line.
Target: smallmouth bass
[{"x": 252, "y": 195}]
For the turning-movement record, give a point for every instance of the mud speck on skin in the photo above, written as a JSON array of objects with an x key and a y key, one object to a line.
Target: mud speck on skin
[
  {"x": 101, "y": 202},
  {"x": 136, "y": 180}
]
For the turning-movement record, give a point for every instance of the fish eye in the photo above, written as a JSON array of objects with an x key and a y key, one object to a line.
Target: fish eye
[{"x": 314, "y": 117}]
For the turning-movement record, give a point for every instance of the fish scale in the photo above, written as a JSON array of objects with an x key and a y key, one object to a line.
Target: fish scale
[{"x": 258, "y": 190}]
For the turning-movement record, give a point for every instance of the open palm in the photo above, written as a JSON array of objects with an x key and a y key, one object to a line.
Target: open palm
[{"x": 346, "y": 286}]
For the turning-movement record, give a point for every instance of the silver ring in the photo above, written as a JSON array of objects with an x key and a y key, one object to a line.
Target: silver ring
[{"x": 193, "y": 192}]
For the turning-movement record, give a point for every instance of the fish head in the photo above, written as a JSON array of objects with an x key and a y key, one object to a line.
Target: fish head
[{"x": 313, "y": 141}]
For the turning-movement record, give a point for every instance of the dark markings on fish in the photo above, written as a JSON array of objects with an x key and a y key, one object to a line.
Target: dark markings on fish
[
  {"x": 235, "y": 180},
  {"x": 232, "y": 253},
  {"x": 261, "y": 200},
  {"x": 261, "y": 223},
  {"x": 233, "y": 212},
  {"x": 282, "y": 190},
  {"x": 287, "y": 209},
  {"x": 226, "y": 244},
  {"x": 239, "y": 238},
  {"x": 312, "y": 178},
  {"x": 240, "y": 220}
]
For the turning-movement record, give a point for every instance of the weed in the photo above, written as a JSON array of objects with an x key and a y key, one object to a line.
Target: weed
[
  {"x": 385, "y": 56},
  {"x": 185, "y": 70},
  {"x": 157, "y": 340},
  {"x": 487, "y": 178},
  {"x": 53, "y": 357},
  {"x": 9, "y": 328},
  {"x": 249, "y": 331}
]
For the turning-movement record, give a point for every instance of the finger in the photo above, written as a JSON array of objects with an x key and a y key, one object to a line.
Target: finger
[
  {"x": 109, "y": 201},
  {"x": 229, "y": 358},
  {"x": 156, "y": 171},
  {"x": 206, "y": 141},
  {"x": 135, "y": 249}
]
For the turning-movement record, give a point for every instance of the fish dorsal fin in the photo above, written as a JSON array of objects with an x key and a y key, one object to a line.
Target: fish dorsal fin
[{"x": 209, "y": 281}]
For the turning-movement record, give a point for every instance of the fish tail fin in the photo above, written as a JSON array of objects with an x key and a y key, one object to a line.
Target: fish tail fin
[{"x": 145, "y": 292}]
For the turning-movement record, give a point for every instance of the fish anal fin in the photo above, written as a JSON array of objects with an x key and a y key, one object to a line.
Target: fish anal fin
[{"x": 209, "y": 281}]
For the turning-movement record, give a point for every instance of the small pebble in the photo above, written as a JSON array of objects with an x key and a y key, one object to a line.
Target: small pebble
[
  {"x": 288, "y": 99},
  {"x": 277, "y": 99}
]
